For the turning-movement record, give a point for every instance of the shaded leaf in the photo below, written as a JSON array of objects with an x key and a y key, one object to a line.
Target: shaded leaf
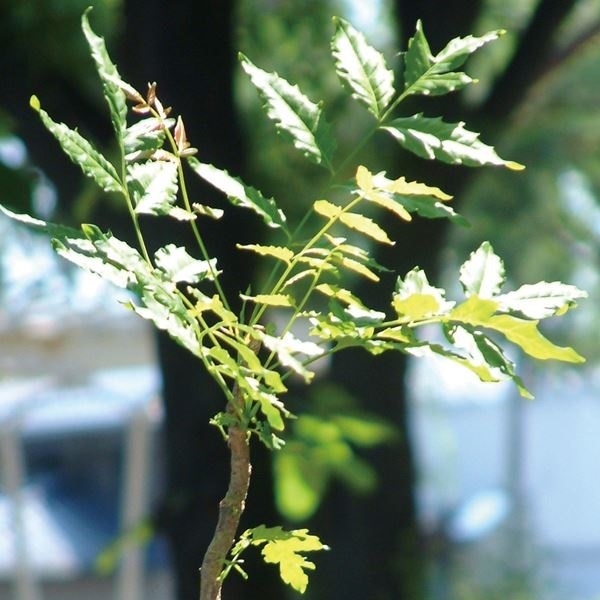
[
  {"x": 114, "y": 95},
  {"x": 239, "y": 193},
  {"x": 146, "y": 135},
  {"x": 81, "y": 152},
  {"x": 294, "y": 114}
]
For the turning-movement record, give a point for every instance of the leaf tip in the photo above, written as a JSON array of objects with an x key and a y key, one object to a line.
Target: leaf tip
[
  {"x": 34, "y": 102},
  {"x": 515, "y": 166}
]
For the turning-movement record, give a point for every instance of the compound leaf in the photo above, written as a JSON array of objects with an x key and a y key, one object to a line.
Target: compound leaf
[{"x": 433, "y": 75}]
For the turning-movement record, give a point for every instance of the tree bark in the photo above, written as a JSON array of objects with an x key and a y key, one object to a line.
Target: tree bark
[{"x": 230, "y": 508}]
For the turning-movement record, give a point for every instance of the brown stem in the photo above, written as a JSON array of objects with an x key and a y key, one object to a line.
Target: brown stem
[{"x": 230, "y": 508}]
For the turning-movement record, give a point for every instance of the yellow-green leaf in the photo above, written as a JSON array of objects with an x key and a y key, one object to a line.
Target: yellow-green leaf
[
  {"x": 526, "y": 335},
  {"x": 416, "y": 306},
  {"x": 414, "y": 188},
  {"x": 326, "y": 209},
  {"x": 365, "y": 225},
  {"x": 270, "y": 299},
  {"x": 284, "y": 254},
  {"x": 388, "y": 203}
]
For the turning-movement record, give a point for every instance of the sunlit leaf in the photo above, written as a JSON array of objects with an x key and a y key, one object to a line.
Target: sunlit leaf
[
  {"x": 294, "y": 114},
  {"x": 355, "y": 221},
  {"x": 403, "y": 197},
  {"x": 153, "y": 186},
  {"x": 540, "y": 300},
  {"x": 483, "y": 273},
  {"x": 270, "y": 299},
  {"x": 432, "y": 138},
  {"x": 284, "y": 549},
  {"x": 279, "y": 252},
  {"x": 178, "y": 266},
  {"x": 433, "y": 75},
  {"x": 287, "y": 347},
  {"x": 524, "y": 333},
  {"x": 414, "y": 298},
  {"x": 362, "y": 68}
]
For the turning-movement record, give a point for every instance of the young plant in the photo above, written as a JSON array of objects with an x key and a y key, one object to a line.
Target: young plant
[{"x": 249, "y": 355}]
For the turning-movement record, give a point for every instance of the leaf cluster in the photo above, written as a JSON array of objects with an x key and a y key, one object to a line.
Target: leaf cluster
[{"x": 250, "y": 355}]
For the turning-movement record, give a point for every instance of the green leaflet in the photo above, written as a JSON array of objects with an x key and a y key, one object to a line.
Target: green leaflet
[
  {"x": 362, "y": 68},
  {"x": 178, "y": 266},
  {"x": 240, "y": 194},
  {"x": 153, "y": 187},
  {"x": 114, "y": 95},
  {"x": 294, "y": 114},
  {"x": 169, "y": 314},
  {"x": 483, "y": 273},
  {"x": 81, "y": 152},
  {"x": 432, "y": 138},
  {"x": 300, "y": 484},
  {"x": 433, "y": 75},
  {"x": 117, "y": 262}
]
